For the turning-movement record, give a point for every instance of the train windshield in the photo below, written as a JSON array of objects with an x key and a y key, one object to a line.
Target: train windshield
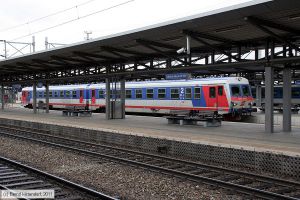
[
  {"x": 235, "y": 91},
  {"x": 246, "y": 90}
]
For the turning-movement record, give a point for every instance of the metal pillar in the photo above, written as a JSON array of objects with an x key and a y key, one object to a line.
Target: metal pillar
[
  {"x": 188, "y": 48},
  {"x": 269, "y": 95},
  {"x": 47, "y": 97},
  {"x": 107, "y": 99},
  {"x": 34, "y": 98},
  {"x": 123, "y": 94},
  {"x": 5, "y": 49},
  {"x": 46, "y": 43},
  {"x": 258, "y": 95},
  {"x": 287, "y": 90},
  {"x": 2, "y": 97},
  {"x": 33, "y": 44}
]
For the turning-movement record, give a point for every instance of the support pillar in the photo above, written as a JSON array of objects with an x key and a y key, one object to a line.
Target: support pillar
[
  {"x": 123, "y": 95},
  {"x": 107, "y": 99},
  {"x": 258, "y": 95},
  {"x": 269, "y": 95},
  {"x": 2, "y": 97},
  {"x": 34, "y": 98},
  {"x": 47, "y": 97},
  {"x": 287, "y": 90},
  {"x": 188, "y": 48}
]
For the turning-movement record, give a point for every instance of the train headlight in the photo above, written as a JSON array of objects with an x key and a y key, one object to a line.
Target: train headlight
[{"x": 233, "y": 104}]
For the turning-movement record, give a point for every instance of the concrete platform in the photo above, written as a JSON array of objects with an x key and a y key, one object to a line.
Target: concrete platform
[{"x": 249, "y": 136}]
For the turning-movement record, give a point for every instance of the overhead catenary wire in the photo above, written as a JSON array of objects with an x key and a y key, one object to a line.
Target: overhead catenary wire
[
  {"x": 46, "y": 16},
  {"x": 75, "y": 19}
]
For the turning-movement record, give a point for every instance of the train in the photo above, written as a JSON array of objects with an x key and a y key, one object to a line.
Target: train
[
  {"x": 278, "y": 97},
  {"x": 225, "y": 96}
]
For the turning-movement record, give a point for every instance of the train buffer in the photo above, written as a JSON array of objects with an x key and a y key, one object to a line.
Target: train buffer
[{"x": 209, "y": 121}]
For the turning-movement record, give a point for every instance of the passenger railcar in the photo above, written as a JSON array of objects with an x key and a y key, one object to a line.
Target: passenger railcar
[
  {"x": 278, "y": 97},
  {"x": 228, "y": 95}
]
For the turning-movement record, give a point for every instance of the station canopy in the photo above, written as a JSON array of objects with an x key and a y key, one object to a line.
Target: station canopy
[{"x": 245, "y": 26}]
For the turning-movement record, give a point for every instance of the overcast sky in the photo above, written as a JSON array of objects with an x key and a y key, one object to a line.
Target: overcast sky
[{"x": 111, "y": 18}]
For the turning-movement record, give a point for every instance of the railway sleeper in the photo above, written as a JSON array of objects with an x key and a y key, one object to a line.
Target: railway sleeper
[
  {"x": 13, "y": 180},
  {"x": 284, "y": 190},
  {"x": 12, "y": 176},
  {"x": 244, "y": 182},
  {"x": 12, "y": 185}
]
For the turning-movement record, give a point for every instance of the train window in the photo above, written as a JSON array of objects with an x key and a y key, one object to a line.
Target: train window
[
  {"x": 149, "y": 93},
  {"x": 235, "y": 91},
  {"x": 253, "y": 92},
  {"x": 295, "y": 92},
  {"x": 74, "y": 94},
  {"x": 174, "y": 93},
  {"x": 263, "y": 94},
  {"x": 40, "y": 94},
  {"x": 50, "y": 94},
  {"x": 68, "y": 93},
  {"x": 246, "y": 91},
  {"x": 93, "y": 93},
  {"x": 161, "y": 93},
  {"x": 278, "y": 93},
  {"x": 101, "y": 94},
  {"x": 197, "y": 93},
  {"x": 212, "y": 92},
  {"x": 220, "y": 90},
  {"x": 138, "y": 94},
  {"x": 55, "y": 93},
  {"x": 61, "y": 93},
  {"x": 188, "y": 93},
  {"x": 128, "y": 94}
]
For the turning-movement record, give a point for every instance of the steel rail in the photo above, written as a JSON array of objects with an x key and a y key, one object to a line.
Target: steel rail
[
  {"x": 64, "y": 182},
  {"x": 190, "y": 163},
  {"x": 227, "y": 185}
]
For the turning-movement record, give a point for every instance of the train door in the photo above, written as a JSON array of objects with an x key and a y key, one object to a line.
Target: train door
[
  {"x": 212, "y": 102},
  {"x": 93, "y": 96},
  {"x": 24, "y": 97},
  {"x": 216, "y": 97},
  {"x": 222, "y": 102},
  {"x": 81, "y": 96}
]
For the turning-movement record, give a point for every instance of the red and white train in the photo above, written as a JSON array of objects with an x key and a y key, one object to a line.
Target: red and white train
[{"x": 227, "y": 95}]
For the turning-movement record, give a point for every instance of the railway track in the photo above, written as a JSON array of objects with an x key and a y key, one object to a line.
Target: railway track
[
  {"x": 250, "y": 184},
  {"x": 16, "y": 176}
]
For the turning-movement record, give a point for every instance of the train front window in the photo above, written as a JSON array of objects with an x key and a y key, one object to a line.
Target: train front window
[
  {"x": 235, "y": 91},
  {"x": 246, "y": 91}
]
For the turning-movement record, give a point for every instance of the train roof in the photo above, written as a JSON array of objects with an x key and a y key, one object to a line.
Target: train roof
[
  {"x": 56, "y": 87},
  {"x": 175, "y": 83}
]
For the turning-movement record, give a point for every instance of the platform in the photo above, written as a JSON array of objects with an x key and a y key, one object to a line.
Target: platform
[{"x": 230, "y": 134}]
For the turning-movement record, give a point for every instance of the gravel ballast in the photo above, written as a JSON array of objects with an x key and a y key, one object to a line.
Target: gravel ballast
[{"x": 125, "y": 182}]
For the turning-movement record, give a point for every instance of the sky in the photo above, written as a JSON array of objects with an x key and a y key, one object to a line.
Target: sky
[{"x": 21, "y": 19}]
